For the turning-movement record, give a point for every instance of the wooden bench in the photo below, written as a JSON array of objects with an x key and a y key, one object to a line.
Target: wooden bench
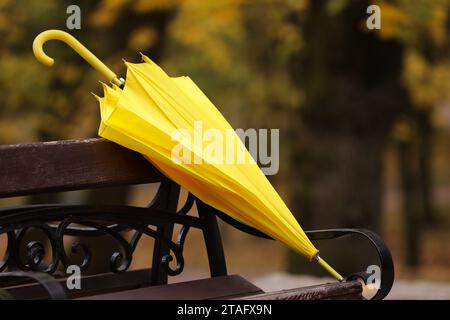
[{"x": 29, "y": 169}]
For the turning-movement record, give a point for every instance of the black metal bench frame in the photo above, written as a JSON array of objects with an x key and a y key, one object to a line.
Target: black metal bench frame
[{"x": 94, "y": 163}]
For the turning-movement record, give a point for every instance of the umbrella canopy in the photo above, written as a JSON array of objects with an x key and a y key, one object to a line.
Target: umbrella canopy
[{"x": 161, "y": 116}]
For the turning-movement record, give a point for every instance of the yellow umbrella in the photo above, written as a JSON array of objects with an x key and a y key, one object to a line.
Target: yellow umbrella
[{"x": 164, "y": 119}]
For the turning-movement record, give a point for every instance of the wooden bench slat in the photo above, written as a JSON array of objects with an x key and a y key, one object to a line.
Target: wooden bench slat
[
  {"x": 351, "y": 290},
  {"x": 212, "y": 288},
  {"x": 70, "y": 165}
]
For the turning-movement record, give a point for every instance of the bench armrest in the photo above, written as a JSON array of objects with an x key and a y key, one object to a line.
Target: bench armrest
[{"x": 384, "y": 255}]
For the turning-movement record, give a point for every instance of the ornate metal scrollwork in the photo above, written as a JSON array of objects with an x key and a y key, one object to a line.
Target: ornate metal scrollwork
[{"x": 56, "y": 222}]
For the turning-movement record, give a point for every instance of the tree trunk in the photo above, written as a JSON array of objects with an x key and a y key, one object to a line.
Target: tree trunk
[
  {"x": 412, "y": 203},
  {"x": 425, "y": 156}
]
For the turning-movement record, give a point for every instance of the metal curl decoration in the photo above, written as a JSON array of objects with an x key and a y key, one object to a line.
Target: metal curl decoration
[
  {"x": 35, "y": 250},
  {"x": 118, "y": 262},
  {"x": 57, "y": 222},
  {"x": 81, "y": 248},
  {"x": 82, "y": 221},
  {"x": 173, "y": 247}
]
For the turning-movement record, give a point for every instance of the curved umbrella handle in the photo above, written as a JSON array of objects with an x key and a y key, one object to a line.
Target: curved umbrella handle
[{"x": 67, "y": 38}]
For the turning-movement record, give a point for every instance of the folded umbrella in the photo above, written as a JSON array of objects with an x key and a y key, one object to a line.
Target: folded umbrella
[{"x": 160, "y": 117}]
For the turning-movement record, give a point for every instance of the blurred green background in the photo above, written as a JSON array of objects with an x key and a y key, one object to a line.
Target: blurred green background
[{"x": 364, "y": 115}]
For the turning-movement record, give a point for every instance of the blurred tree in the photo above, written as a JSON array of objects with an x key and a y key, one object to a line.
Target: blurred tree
[
  {"x": 423, "y": 27},
  {"x": 353, "y": 95},
  {"x": 355, "y": 85}
]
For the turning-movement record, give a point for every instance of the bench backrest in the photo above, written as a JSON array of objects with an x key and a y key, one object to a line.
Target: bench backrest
[
  {"x": 70, "y": 165},
  {"x": 27, "y": 169}
]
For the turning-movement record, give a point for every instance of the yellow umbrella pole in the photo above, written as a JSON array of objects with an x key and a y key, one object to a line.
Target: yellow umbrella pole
[{"x": 327, "y": 267}]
